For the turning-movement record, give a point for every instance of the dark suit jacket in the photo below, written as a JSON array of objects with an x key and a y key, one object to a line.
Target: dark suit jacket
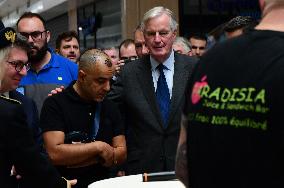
[
  {"x": 151, "y": 148},
  {"x": 31, "y": 113},
  {"x": 18, "y": 148}
]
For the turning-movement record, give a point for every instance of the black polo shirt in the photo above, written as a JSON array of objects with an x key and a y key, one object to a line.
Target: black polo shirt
[{"x": 68, "y": 112}]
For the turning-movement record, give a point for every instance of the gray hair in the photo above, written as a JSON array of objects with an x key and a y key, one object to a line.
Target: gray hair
[
  {"x": 3, "y": 55},
  {"x": 4, "y": 52},
  {"x": 184, "y": 43},
  {"x": 156, "y": 12}
]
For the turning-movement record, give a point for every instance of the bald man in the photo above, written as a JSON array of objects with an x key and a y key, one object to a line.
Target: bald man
[{"x": 82, "y": 131}]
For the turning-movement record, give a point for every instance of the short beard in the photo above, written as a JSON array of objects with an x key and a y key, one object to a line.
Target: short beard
[{"x": 35, "y": 59}]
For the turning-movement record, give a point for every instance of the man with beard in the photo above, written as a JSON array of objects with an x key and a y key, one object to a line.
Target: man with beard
[{"x": 48, "y": 69}]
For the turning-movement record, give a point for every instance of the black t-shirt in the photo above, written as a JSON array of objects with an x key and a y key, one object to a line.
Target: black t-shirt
[
  {"x": 234, "y": 107},
  {"x": 67, "y": 112}
]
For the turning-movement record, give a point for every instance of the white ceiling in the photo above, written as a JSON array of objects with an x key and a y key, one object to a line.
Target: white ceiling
[{"x": 8, "y": 6}]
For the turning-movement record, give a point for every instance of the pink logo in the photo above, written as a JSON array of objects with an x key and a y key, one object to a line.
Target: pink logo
[{"x": 195, "y": 95}]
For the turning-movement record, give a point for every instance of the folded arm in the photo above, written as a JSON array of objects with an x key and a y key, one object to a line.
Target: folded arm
[{"x": 75, "y": 155}]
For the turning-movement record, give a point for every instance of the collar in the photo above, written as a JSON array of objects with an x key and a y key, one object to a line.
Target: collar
[
  {"x": 5, "y": 94},
  {"x": 9, "y": 99},
  {"x": 75, "y": 96},
  {"x": 52, "y": 63},
  {"x": 168, "y": 63}
]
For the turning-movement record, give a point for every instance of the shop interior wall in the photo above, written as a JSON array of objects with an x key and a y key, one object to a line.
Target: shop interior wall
[{"x": 133, "y": 11}]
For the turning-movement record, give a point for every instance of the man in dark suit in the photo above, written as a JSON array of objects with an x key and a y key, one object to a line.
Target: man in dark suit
[
  {"x": 16, "y": 144},
  {"x": 153, "y": 124}
]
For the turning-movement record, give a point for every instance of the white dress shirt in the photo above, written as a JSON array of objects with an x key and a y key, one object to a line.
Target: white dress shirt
[{"x": 169, "y": 71}]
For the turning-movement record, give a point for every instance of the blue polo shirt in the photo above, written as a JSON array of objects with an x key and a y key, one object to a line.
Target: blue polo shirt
[{"x": 59, "y": 71}]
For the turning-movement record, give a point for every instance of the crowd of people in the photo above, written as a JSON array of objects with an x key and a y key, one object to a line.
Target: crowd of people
[{"x": 157, "y": 102}]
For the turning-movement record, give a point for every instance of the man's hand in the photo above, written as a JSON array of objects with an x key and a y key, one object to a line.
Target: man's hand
[
  {"x": 14, "y": 173},
  {"x": 106, "y": 153},
  {"x": 120, "y": 173},
  {"x": 71, "y": 182},
  {"x": 56, "y": 90},
  {"x": 118, "y": 66}
]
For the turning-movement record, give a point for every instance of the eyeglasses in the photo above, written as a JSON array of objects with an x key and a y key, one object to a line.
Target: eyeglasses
[
  {"x": 127, "y": 59},
  {"x": 19, "y": 65},
  {"x": 36, "y": 35},
  {"x": 161, "y": 33}
]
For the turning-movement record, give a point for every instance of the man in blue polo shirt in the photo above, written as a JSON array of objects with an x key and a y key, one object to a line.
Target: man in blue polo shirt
[{"x": 48, "y": 70}]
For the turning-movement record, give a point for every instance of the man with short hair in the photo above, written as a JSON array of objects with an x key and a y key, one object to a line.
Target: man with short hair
[
  {"x": 83, "y": 132},
  {"x": 232, "y": 132},
  {"x": 48, "y": 69},
  {"x": 127, "y": 50},
  {"x": 113, "y": 53},
  {"x": 198, "y": 44},
  {"x": 139, "y": 40},
  {"x": 150, "y": 91},
  {"x": 67, "y": 45}
]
